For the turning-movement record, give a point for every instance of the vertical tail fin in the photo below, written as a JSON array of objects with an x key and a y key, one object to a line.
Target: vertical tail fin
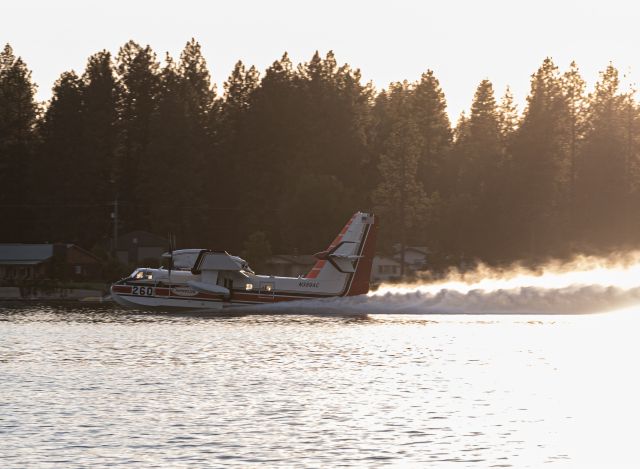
[{"x": 349, "y": 257}]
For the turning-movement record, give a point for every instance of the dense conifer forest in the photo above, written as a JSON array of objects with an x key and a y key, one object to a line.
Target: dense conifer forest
[{"x": 283, "y": 157}]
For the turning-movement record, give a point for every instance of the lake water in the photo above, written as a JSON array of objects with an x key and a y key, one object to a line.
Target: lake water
[{"x": 97, "y": 386}]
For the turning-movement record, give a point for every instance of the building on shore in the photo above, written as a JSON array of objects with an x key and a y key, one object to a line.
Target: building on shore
[
  {"x": 415, "y": 258},
  {"x": 385, "y": 269},
  {"x": 30, "y": 262}
]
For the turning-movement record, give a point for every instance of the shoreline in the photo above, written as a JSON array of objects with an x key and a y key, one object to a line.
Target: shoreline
[{"x": 56, "y": 294}]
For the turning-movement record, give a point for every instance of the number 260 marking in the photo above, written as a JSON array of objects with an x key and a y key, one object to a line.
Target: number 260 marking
[{"x": 142, "y": 291}]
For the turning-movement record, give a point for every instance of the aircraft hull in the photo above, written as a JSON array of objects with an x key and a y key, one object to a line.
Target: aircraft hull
[{"x": 182, "y": 298}]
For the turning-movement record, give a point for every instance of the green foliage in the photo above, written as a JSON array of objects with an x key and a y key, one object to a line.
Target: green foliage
[
  {"x": 429, "y": 110},
  {"x": 257, "y": 250},
  {"x": 18, "y": 113},
  {"x": 400, "y": 197},
  {"x": 113, "y": 270},
  {"x": 59, "y": 161},
  {"x": 98, "y": 147},
  {"x": 479, "y": 152},
  {"x": 180, "y": 157},
  {"x": 602, "y": 191},
  {"x": 317, "y": 203},
  {"x": 508, "y": 116},
  {"x": 282, "y": 158},
  {"x": 540, "y": 167},
  {"x": 139, "y": 77}
]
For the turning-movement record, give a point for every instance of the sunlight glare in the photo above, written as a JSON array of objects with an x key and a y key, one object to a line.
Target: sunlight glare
[{"x": 620, "y": 271}]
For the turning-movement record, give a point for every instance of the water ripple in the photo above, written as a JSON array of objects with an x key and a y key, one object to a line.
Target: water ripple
[{"x": 87, "y": 387}]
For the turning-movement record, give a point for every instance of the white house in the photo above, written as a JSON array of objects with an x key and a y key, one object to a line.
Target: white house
[
  {"x": 384, "y": 269},
  {"x": 415, "y": 257}
]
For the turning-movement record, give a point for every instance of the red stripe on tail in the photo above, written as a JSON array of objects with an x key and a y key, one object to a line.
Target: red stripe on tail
[
  {"x": 317, "y": 267},
  {"x": 360, "y": 282}
]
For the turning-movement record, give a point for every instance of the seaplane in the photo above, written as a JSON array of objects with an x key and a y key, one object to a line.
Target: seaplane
[{"x": 206, "y": 280}]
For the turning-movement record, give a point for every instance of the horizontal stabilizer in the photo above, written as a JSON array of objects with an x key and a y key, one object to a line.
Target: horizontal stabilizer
[{"x": 343, "y": 264}]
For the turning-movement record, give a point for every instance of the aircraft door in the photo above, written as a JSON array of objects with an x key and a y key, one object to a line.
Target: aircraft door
[{"x": 228, "y": 284}]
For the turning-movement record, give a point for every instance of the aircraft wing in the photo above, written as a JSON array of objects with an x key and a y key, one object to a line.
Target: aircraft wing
[{"x": 217, "y": 261}]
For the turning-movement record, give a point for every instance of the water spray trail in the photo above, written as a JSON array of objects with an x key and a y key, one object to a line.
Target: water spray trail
[
  {"x": 619, "y": 271},
  {"x": 583, "y": 285}
]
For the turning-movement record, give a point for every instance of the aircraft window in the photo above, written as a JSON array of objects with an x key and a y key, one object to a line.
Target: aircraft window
[{"x": 143, "y": 275}]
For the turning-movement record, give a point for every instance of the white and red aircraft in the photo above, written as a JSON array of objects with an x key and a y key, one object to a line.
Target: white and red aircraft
[{"x": 201, "y": 279}]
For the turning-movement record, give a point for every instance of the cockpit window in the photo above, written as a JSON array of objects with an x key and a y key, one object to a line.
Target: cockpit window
[{"x": 143, "y": 275}]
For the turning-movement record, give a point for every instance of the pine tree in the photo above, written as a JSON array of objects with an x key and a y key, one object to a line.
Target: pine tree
[
  {"x": 60, "y": 163},
  {"x": 332, "y": 111},
  {"x": 197, "y": 155},
  {"x": 138, "y": 72},
  {"x": 238, "y": 89},
  {"x": 230, "y": 139},
  {"x": 273, "y": 125},
  {"x": 479, "y": 151},
  {"x": 601, "y": 187},
  {"x": 574, "y": 87},
  {"x": 335, "y": 115},
  {"x": 304, "y": 126},
  {"x": 540, "y": 168},
  {"x": 630, "y": 129},
  {"x": 631, "y": 118},
  {"x": 199, "y": 95},
  {"x": 484, "y": 140},
  {"x": 400, "y": 198},
  {"x": 18, "y": 113},
  {"x": 508, "y": 115},
  {"x": 99, "y": 144},
  {"x": 430, "y": 109},
  {"x": 166, "y": 189}
]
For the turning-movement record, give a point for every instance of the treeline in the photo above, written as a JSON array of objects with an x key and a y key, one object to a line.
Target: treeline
[{"x": 292, "y": 152}]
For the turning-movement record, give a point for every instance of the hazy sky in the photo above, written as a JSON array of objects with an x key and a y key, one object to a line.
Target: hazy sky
[{"x": 463, "y": 41}]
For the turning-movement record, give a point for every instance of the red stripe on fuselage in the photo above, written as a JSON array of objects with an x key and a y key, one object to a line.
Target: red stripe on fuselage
[
  {"x": 257, "y": 298},
  {"x": 165, "y": 292}
]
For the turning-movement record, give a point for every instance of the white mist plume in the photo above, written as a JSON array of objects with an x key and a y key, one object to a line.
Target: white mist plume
[
  {"x": 586, "y": 284},
  {"x": 618, "y": 270},
  {"x": 581, "y": 285}
]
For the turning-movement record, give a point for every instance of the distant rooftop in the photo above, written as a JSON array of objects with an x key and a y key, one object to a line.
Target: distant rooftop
[
  {"x": 25, "y": 254},
  {"x": 420, "y": 249}
]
